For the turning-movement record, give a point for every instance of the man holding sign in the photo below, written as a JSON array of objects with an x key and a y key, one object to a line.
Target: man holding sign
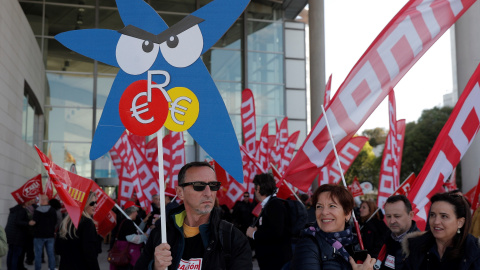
[{"x": 196, "y": 236}]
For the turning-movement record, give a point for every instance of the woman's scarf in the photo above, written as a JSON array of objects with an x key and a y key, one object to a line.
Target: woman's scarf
[{"x": 338, "y": 239}]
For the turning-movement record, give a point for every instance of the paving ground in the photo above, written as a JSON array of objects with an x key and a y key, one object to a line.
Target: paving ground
[{"x": 102, "y": 259}]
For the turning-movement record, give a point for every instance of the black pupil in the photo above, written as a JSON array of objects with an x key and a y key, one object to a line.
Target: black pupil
[
  {"x": 147, "y": 46},
  {"x": 172, "y": 42}
]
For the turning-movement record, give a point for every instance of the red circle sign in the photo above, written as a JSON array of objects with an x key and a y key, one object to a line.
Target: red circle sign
[{"x": 137, "y": 114}]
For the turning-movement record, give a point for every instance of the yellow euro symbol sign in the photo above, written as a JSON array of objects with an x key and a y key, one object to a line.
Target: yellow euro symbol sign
[{"x": 183, "y": 109}]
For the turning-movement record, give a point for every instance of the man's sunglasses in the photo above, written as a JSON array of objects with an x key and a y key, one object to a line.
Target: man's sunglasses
[
  {"x": 92, "y": 203},
  {"x": 200, "y": 186}
]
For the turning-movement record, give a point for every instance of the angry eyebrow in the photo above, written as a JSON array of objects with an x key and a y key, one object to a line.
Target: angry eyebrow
[{"x": 185, "y": 24}]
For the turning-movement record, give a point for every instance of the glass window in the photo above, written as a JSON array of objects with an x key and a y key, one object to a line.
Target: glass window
[
  {"x": 260, "y": 11},
  {"x": 265, "y": 67},
  {"x": 28, "y": 121},
  {"x": 224, "y": 65},
  {"x": 104, "y": 167},
  {"x": 265, "y": 36},
  {"x": 60, "y": 58},
  {"x": 60, "y": 19},
  {"x": 65, "y": 154},
  {"x": 110, "y": 19},
  {"x": 68, "y": 124},
  {"x": 104, "y": 84},
  {"x": 232, "y": 38},
  {"x": 269, "y": 99},
  {"x": 70, "y": 90}
]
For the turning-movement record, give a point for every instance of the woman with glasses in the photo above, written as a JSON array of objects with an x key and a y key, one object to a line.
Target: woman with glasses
[
  {"x": 78, "y": 247},
  {"x": 330, "y": 242},
  {"x": 447, "y": 245},
  {"x": 127, "y": 236}
]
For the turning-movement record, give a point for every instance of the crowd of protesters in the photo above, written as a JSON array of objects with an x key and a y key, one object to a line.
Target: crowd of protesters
[{"x": 203, "y": 234}]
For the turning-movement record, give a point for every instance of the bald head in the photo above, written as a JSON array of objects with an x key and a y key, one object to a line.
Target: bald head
[{"x": 43, "y": 199}]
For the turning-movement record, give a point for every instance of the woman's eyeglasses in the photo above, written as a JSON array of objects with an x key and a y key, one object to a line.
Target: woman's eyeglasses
[
  {"x": 92, "y": 203},
  {"x": 200, "y": 186}
]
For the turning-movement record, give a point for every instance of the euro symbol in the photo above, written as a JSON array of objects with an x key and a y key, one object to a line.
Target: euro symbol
[
  {"x": 136, "y": 113},
  {"x": 175, "y": 105}
]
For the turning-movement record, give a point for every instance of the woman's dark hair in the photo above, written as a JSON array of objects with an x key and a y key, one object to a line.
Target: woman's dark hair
[
  {"x": 266, "y": 183},
  {"x": 372, "y": 206},
  {"x": 338, "y": 193},
  {"x": 461, "y": 210}
]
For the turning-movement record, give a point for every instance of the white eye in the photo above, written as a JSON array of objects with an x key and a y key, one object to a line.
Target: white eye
[
  {"x": 183, "y": 49},
  {"x": 135, "y": 56}
]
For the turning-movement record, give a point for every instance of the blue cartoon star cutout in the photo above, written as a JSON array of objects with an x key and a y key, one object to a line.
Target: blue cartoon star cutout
[{"x": 162, "y": 80}]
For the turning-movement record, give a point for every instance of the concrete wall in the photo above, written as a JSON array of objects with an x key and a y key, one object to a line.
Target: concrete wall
[{"x": 20, "y": 64}]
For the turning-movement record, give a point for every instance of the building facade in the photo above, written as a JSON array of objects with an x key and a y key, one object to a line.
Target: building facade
[{"x": 54, "y": 97}]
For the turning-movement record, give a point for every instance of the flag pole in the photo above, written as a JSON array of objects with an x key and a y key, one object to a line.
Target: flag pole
[
  {"x": 125, "y": 214},
  {"x": 274, "y": 169},
  {"x": 355, "y": 221},
  {"x": 161, "y": 185}
]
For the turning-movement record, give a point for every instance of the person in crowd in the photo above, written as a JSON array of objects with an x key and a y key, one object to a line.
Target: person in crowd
[
  {"x": 373, "y": 229},
  {"x": 330, "y": 243},
  {"x": 127, "y": 236},
  {"x": 16, "y": 230},
  {"x": 399, "y": 216},
  {"x": 55, "y": 204},
  {"x": 270, "y": 232},
  {"x": 195, "y": 233},
  {"x": 447, "y": 245},
  {"x": 307, "y": 201},
  {"x": 28, "y": 254},
  {"x": 170, "y": 202},
  {"x": 44, "y": 222},
  {"x": 242, "y": 216},
  {"x": 3, "y": 244},
  {"x": 475, "y": 228},
  {"x": 78, "y": 247}
]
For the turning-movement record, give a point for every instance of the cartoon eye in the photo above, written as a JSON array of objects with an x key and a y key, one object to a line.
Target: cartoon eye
[
  {"x": 183, "y": 49},
  {"x": 135, "y": 56}
]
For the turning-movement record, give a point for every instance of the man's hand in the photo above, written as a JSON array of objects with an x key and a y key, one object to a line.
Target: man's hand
[
  {"x": 367, "y": 264},
  {"x": 163, "y": 256},
  {"x": 250, "y": 231},
  {"x": 31, "y": 223}
]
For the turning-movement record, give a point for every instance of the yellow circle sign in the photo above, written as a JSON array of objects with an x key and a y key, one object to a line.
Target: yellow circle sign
[{"x": 182, "y": 110}]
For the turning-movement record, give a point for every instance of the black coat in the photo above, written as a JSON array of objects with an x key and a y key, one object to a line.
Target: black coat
[
  {"x": 17, "y": 226},
  {"x": 214, "y": 257},
  {"x": 374, "y": 234},
  {"x": 394, "y": 249},
  {"x": 273, "y": 243},
  {"x": 81, "y": 251},
  {"x": 45, "y": 218},
  {"x": 419, "y": 255},
  {"x": 312, "y": 252}
]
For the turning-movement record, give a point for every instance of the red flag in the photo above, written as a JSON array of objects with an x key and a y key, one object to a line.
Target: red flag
[
  {"x": 328, "y": 90},
  {"x": 475, "y": 197},
  {"x": 29, "y": 190},
  {"x": 262, "y": 151},
  {"x": 177, "y": 157},
  {"x": 126, "y": 184},
  {"x": 281, "y": 139},
  {"x": 107, "y": 224},
  {"x": 287, "y": 152},
  {"x": 355, "y": 188},
  {"x": 451, "y": 184},
  {"x": 139, "y": 141},
  {"x": 331, "y": 174},
  {"x": 72, "y": 189},
  {"x": 151, "y": 154},
  {"x": 104, "y": 203},
  {"x": 470, "y": 195},
  {"x": 230, "y": 191},
  {"x": 452, "y": 143},
  {"x": 395, "y": 50},
  {"x": 405, "y": 187},
  {"x": 249, "y": 124}
]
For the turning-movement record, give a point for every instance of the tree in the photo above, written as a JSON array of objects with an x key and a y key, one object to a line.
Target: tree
[
  {"x": 420, "y": 138},
  {"x": 375, "y": 136},
  {"x": 366, "y": 167}
]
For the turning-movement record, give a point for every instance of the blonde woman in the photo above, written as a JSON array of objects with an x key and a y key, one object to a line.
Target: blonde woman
[{"x": 79, "y": 248}]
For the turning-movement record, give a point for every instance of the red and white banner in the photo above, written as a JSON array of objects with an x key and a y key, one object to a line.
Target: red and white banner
[
  {"x": 126, "y": 183},
  {"x": 249, "y": 124},
  {"x": 262, "y": 151},
  {"x": 330, "y": 174},
  {"x": 389, "y": 180},
  {"x": 104, "y": 203},
  {"x": 396, "y": 49},
  {"x": 406, "y": 186},
  {"x": 355, "y": 188},
  {"x": 287, "y": 153},
  {"x": 328, "y": 90},
  {"x": 281, "y": 138},
  {"x": 72, "y": 189},
  {"x": 451, "y": 144},
  {"x": 107, "y": 224},
  {"x": 30, "y": 190},
  {"x": 451, "y": 184},
  {"x": 230, "y": 191}
]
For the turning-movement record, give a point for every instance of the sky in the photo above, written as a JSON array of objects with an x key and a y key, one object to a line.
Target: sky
[{"x": 352, "y": 25}]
